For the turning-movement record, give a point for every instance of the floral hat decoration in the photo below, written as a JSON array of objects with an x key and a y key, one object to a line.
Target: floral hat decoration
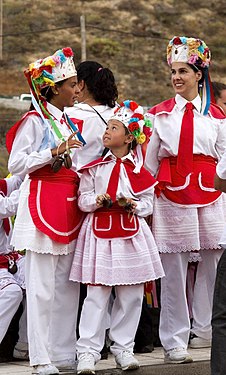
[
  {"x": 189, "y": 50},
  {"x": 131, "y": 115},
  {"x": 46, "y": 73},
  {"x": 50, "y": 70},
  {"x": 195, "y": 52}
]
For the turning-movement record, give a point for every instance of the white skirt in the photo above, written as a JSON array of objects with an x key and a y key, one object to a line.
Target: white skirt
[
  {"x": 27, "y": 237},
  {"x": 179, "y": 229},
  {"x": 116, "y": 261}
]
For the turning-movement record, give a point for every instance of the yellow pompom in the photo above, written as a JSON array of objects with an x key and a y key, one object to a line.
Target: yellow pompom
[{"x": 141, "y": 138}]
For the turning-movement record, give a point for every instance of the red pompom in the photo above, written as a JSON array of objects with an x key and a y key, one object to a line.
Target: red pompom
[
  {"x": 133, "y": 126},
  {"x": 68, "y": 52},
  {"x": 177, "y": 41},
  {"x": 133, "y": 105}
]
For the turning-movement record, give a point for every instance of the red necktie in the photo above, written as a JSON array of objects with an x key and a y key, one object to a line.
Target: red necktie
[
  {"x": 113, "y": 181},
  {"x": 185, "y": 149}
]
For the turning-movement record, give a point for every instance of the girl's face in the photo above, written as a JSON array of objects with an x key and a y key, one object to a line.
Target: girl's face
[
  {"x": 66, "y": 94},
  {"x": 115, "y": 136},
  {"x": 185, "y": 80}
]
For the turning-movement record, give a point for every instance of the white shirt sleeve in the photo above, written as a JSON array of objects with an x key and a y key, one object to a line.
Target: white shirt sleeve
[
  {"x": 25, "y": 157},
  {"x": 221, "y": 167},
  {"x": 13, "y": 183},
  {"x": 87, "y": 194},
  {"x": 8, "y": 205},
  {"x": 145, "y": 203}
]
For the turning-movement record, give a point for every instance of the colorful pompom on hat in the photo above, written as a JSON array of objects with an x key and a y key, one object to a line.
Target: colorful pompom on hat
[
  {"x": 131, "y": 115},
  {"x": 50, "y": 70},
  {"x": 194, "y": 52},
  {"x": 188, "y": 50}
]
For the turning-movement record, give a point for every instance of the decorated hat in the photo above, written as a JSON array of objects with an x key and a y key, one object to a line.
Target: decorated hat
[
  {"x": 52, "y": 69},
  {"x": 131, "y": 115},
  {"x": 195, "y": 52},
  {"x": 188, "y": 50}
]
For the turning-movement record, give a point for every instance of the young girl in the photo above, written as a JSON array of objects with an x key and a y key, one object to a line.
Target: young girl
[
  {"x": 42, "y": 145},
  {"x": 115, "y": 246}
]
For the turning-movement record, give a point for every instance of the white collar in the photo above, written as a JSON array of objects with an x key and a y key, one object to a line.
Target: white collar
[
  {"x": 56, "y": 112},
  {"x": 181, "y": 102},
  {"x": 129, "y": 156}
]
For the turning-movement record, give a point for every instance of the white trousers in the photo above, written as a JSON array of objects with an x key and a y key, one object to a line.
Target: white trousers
[
  {"x": 174, "y": 327},
  {"x": 10, "y": 299},
  {"x": 52, "y": 305},
  {"x": 124, "y": 319}
]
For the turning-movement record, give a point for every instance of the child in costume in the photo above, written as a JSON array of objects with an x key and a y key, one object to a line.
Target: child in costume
[
  {"x": 42, "y": 145},
  {"x": 115, "y": 246},
  {"x": 12, "y": 273}
]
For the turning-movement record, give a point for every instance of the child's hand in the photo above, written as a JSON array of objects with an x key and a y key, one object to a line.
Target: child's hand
[
  {"x": 128, "y": 203},
  {"x": 103, "y": 200}
]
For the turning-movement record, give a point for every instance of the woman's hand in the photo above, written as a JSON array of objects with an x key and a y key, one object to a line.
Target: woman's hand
[{"x": 65, "y": 146}]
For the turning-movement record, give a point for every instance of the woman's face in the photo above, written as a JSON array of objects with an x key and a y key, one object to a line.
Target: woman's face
[
  {"x": 66, "y": 94},
  {"x": 185, "y": 80}
]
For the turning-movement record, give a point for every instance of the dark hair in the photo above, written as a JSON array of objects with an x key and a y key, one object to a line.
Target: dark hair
[
  {"x": 217, "y": 88},
  {"x": 198, "y": 68},
  {"x": 100, "y": 82}
]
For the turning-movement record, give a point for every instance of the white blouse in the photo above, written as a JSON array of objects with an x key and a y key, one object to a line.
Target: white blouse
[
  {"x": 27, "y": 153},
  {"x": 95, "y": 182},
  {"x": 93, "y": 129}
]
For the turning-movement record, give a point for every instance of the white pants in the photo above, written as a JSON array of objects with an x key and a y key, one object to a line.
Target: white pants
[
  {"x": 124, "y": 320},
  {"x": 174, "y": 328},
  {"x": 10, "y": 299},
  {"x": 52, "y": 305}
]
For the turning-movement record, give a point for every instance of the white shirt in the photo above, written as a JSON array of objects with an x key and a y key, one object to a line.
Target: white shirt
[
  {"x": 92, "y": 130},
  {"x": 95, "y": 182},
  {"x": 209, "y": 134},
  {"x": 27, "y": 154},
  {"x": 8, "y": 208}
]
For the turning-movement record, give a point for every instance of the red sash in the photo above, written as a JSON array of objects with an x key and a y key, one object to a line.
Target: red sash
[
  {"x": 53, "y": 203},
  {"x": 114, "y": 223},
  {"x": 198, "y": 188}
]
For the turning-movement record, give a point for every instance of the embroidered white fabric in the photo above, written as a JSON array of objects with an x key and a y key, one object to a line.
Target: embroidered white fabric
[
  {"x": 180, "y": 229},
  {"x": 116, "y": 261}
]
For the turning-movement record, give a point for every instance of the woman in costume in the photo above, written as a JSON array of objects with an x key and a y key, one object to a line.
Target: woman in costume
[
  {"x": 188, "y": 139},
  {"x": 42, "y": 145},
  {"x": 115, "y": 245}
]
